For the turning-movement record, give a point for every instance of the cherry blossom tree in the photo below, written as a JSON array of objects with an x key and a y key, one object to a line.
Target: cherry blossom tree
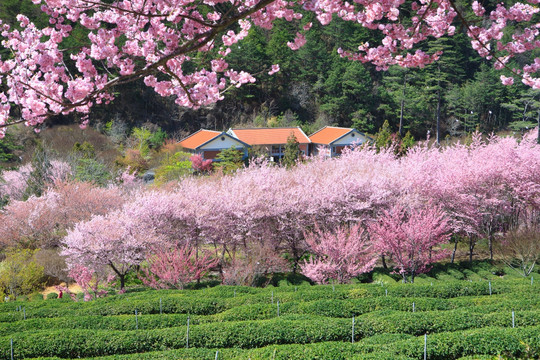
[
  {"x": 199, "y": 164},
  {"x": 153, "y": 40},
  {"x": 41, "y": 222},
  {"x": 113, "y": 241},
  {"x": 175, "y": 267},
  {"x": 90, "y": 281},
  {"x": 341, "y": 254},
  {"x": 411, "y": 237}
]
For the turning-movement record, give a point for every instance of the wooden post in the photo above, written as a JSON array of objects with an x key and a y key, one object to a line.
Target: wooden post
[
  {"x": 217, "y": 354},
  {"x": 160, "y": 307},
  {"x": 413, "y": 308},
  {"x": 386, "y": 292},
  {"x": 11, "y": 343},
  {"x": 513, "y": 320},
  {"x": 278, "y": 308},
  {"x": 352, "y": 332},
  {"x": 425, "y": 346},
  {"x": 490, "y": 288},
  {"x": 24, "y": 313},
  {"x": 136, "y": 320},
  {"x": 187, "y": 334}
]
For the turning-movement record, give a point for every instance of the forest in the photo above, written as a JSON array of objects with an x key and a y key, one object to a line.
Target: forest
[{"x": 315, "y": 86}]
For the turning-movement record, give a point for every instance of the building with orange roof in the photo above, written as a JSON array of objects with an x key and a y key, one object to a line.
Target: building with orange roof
[
  {"x": 210, "y": 143},
  {"x": 272, "y": 141},
  {"x": 333, "y": 140}
]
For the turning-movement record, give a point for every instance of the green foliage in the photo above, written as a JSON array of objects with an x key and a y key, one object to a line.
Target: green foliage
[
  {"x": 84, "y": 150},
  {"x": 174, "y": 167},
  {"x": 142, "y": 137},
  {"x": 51, "y": 296},
  {"x": 35, "y": 297},
  {"x": 19, "y": 273},
  {"x": 522, "y": 125},
  {"x": 383, "y": 138},
  {"x": 460, "y": 318},
  {"x": 92, "y": 170},
  {"x": 292, "y": 151},
  {"x": 133, "y": 160},
  {"x": 407, "y": 142},
  {"x": 40, "y": 174},
  {"x": 229, "y": 160},
  {"x": 157, "y": 139},
  {"x": 8, "y": 146},
  {"x": 86, "y": 167}
]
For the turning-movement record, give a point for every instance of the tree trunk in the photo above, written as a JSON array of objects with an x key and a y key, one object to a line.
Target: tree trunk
[
  {"x": 438, "y": 105},
  {"x": 402, "y": 106},
  {"x": 538, "y": 136},
  {"x": 490, "y": 241},
  {"x": 384, "y": 262},
  {"x": 122, "y": 281},
  {"x": 471, "y": 248},
  {"x": 454, "y": 252}
]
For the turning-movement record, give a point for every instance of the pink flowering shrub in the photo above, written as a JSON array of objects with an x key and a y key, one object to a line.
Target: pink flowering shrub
[
  {"x": 92, "y": 282},
  {"x": 340, "y": 254},
  {"x": 411, "y": 238},
  {"x": 175, "y": 267},
  {"x": 199, "y": 164}
]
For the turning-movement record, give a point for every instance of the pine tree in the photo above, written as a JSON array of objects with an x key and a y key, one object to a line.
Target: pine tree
[
  {"x": 292, "y": 150},
  {"x": 40, "y": 174}
]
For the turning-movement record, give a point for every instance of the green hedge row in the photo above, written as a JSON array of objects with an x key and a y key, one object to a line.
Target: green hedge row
[
  {"x": 292, "y": 329},
  {"x": 488, "y": 343},
  {"x": 325, "y": 307},
  {"x": 226, "y": 297},
  {"x": 366, "y": 325}
]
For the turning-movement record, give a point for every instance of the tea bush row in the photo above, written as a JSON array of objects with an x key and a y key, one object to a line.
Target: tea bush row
[
  {"x": 291, "y": 329},
  {"x": 486, "y": 343}
]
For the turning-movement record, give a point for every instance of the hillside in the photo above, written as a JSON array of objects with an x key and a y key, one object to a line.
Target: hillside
[
  {"x": 316, "y": 87},
  {"x": 482, "y": 319}
]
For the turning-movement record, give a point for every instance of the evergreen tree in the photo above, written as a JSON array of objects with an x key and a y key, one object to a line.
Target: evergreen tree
[
  {"x": 230, "y": 160},
  {"x": 40, "y": 175},
  {"x": 383, "y": 138},
  {"x": 292, "y": 151}
]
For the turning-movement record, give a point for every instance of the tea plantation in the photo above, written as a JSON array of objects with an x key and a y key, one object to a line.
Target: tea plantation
[{"x": 456, "y": 311}]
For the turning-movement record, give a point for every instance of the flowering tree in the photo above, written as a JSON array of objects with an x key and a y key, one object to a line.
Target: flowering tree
[
  {"x": 113, "y": 241},
  {"x": 409, "y": 237},
  {"x": 175, "y": 267},
  {"x": 341, "y": 254},
  {"x": 90, "y": 281},
  {"x": 154, "y": 40},
  {"x": 41, "y": 222},
  {"x": 199, "y": 164}
]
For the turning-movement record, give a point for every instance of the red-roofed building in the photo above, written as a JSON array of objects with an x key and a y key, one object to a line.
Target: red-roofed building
[
  {"x": 334, "y": 139},
  {"x": 272, "y": 140},
  {"x": 209, "y": 143}
]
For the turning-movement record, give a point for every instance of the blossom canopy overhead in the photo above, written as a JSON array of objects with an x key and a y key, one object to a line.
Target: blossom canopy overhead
[{"x": 159, "y": 41}]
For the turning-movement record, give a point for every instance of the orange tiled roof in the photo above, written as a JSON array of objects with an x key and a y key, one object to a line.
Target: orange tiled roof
[
  {"x": 328, "y": 134},
  {"x": 195, "y": 140},
  {"x": 269, "y": 136}
]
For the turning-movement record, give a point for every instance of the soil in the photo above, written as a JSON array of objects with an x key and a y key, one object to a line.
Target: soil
[{"x": 74, "y": 288}]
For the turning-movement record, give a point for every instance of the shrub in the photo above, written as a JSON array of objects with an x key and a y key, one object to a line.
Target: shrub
[
  {"x": 36, "y": 297},
  {"x": 52, "y": 295},
  {"x": 19, "y": 273}
]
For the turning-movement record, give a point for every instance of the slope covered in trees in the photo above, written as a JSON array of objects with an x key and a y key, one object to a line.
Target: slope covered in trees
[{"x": 460, "y": 91}]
